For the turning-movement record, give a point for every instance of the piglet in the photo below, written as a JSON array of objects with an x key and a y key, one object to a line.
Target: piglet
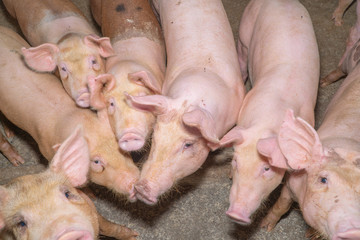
[
  {"x": 202, "y": 93},
  {"x": 278, "y": 51},
  {"x": 61, "y": 37},
  {"x": 48, "y": 205},
  {"x": 38, "y": 104},
  {"x": 138, "y": 67}
]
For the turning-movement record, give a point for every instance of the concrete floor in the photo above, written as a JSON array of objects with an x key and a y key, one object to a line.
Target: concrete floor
[{"x": 197, "y": 210}]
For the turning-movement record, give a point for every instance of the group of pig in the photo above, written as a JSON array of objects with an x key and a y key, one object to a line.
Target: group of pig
[{"x": 190, "y": 98}]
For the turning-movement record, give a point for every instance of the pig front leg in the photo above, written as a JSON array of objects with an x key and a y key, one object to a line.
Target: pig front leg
[
  {"x": 117, "y": 231},
  {"x": 281, "y": 206},
  {"x": 332, "y": 77},
  {"x": 339, "y": 11},
  {"x": 9, "y": 152}
]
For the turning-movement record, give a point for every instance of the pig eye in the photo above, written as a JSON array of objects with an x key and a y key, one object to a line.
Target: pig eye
[
  {"x": 111, "y": 108},
  {"x": 63, "y": 71},
  {"x": 22, "y": 224},
  {"x": 188, "y": 145},
  {"x": 323, "y": 180},
  {"x": 94, "y": 63},
  {"x": 266, "y": 168},
  {"x": 97, "y": 165}
]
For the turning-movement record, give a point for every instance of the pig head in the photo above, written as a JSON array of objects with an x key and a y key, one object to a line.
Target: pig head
[
  {"x": 77, "y": 58},
  {"x": 326, "y": 180}
]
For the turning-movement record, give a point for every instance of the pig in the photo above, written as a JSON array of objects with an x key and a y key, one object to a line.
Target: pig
[
  {"x": 324, "y": 164},
  {"x": 201, "y": 95},
  {"x": 61, "y": 37},
  {"x": 38, "y": 104},
  {"x": 351, "y": 56},
  {"x": 340, "y": 10},
  {"x": 58, "y": 210},
  {"x": 278, "y": 51},
  {"x": 138, "y": 67}
]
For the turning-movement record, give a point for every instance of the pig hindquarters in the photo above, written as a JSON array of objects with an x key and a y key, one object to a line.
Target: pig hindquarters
[
  {"x": 138, "y": 67},
  {"x": 61, "y": 37},
  {"x": 38, "y": 104},
  {"x": 48, "y": 206}
]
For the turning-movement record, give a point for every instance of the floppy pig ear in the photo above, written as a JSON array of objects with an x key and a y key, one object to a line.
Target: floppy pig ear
[
  {"x": 202, "y": 120},
  {"x": 103, "y": 44},
  {"x": 73, "y": 158},
  {"x": 41, "y": 58},
  {"x": 234, "y": 136},
  {"x": 3, "y": 197},
  {"x": 299, "y": 142},
  {"x": 269, "y": 147},
  {"x": 145, "y": 79},
  {"x": 156, "y": 104},
  {"x": 97, "y": 85}
]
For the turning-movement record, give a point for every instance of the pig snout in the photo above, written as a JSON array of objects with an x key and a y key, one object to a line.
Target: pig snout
[
  {"x": 351, "y": 234},
  {"x": 75, "y": 235},
  {"x": 131, "y": 141},
  {"x": 145, "y": 192},
  {"x": 238, "y": 216},
  {"x": 83, "y": 98}
]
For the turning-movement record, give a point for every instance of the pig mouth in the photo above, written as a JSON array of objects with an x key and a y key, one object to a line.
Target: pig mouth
[
  {"x": 144, "y": 195},
  {"x": 83, "y": 99},
  {"x": 75, "y": 234},
  {"x": 238, "y": 218}
]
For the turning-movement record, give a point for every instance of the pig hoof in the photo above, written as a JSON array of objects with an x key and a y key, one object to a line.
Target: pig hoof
[
  {"x": 239, "y": 219},
  {"x": 83, "y": 100},
  {"x": 131, "y": 142}
]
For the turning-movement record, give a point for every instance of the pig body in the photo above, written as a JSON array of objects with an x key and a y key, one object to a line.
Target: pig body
[
  {"x": 278, "y": 51},
  {"x": 202, "y": 93},
  {"x": 62, "y": 37},
  {"x": 54, "y": 115},
  {"x": 58, "y": 210},
  {"x": 138, "y": 66},
  {"x": 326, "y": 185}
]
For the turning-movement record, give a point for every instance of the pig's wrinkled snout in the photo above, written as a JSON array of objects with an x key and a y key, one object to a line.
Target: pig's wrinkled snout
[
  {"x": 351, "y": 234},
  {"x": 131, "y": 141},
  {"x": 238, "y": 217},
  {"x": 143, "y": 193},
  {"x": 76, "y": 235},
  {"x": 83, "y": 99}
]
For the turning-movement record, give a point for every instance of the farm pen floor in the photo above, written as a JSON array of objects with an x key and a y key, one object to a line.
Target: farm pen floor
[{"x": 197, "y": 210}]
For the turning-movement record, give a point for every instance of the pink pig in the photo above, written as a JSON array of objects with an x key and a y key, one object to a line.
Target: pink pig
[
  {"x": 62, "y": 37},
  {"x": 38, "y": 104},
  {"x": 277, "y": 48},
  {"x": 202, "y": 93},
  {"x": 48, "y": 206},
  {"x": 138, "y": 67}
]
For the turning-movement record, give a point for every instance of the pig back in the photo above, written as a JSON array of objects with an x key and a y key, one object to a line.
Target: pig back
[{"x": 130, "y": 18}]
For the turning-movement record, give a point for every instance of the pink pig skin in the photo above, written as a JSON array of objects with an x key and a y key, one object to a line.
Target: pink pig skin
[
  {"x": 326, "y": 185},
  {"x": 202, "y": 93},
  {"x": 277, "y": 47},
  {"x": 38, "y": 104},
  {"x": 138, "y": 66},
  {"x": 339, "y": 11},
  {"x": 58, "y": 211},
  {"x": 62, "y": 37}
]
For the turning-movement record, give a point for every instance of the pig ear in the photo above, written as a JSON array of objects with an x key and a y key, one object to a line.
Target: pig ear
[
  {"x": 145, "y": 79},
  {"x": 41, "y": 58},
  {"x": 203, "y": 121},
  {"x": 103, "y": 44},
  {"x": 269, "y": 148},
  {"x": 234, "y": 136},
  {"x": 3, "y": 197},
  {"x": 299, "y": 142},
  {"x": 97, "y": 86},
  {"x": 73, "y": 158},
  {"x": 156, "y": 104}
]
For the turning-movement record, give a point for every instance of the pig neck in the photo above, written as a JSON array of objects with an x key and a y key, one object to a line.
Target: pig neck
[{"x": 141, "y": 51}]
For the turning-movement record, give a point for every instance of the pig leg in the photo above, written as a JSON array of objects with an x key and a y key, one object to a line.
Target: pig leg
[
  {"x": 4, "y": 122},
  {"x": 332, "y": 77},
  {"x": 117, "y": 231},
  {"x": 9, "y": 152},
  {"x": 281, "y": 206},
  {"x": 339, "y": 11}
]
